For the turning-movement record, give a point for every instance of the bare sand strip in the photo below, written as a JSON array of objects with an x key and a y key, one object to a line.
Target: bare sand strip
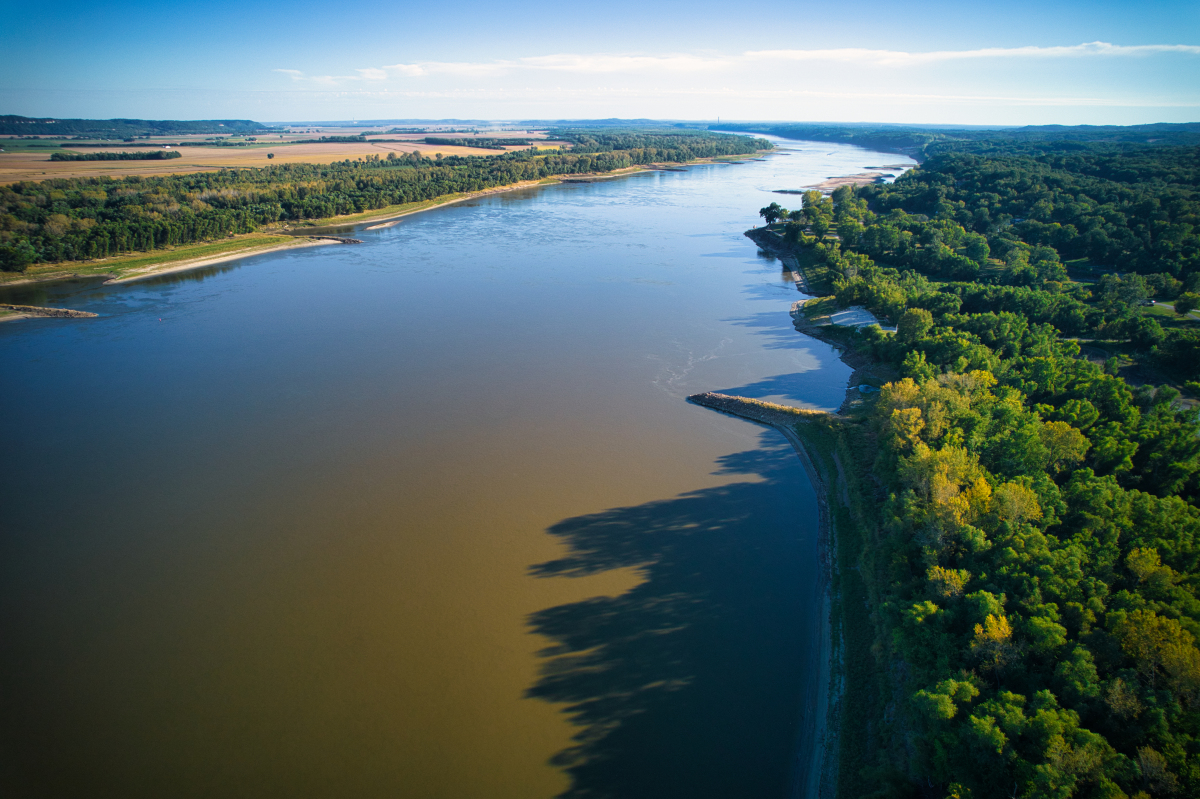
[
  {"x": 860, "y": 179},
  {"x": 155, "y": 270},
  {"x": 828, "y": 185}
]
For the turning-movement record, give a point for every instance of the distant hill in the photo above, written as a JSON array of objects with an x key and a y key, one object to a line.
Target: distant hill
[
  {"x": 11, "y": 125},
  {"x": 922, "y": 141}
]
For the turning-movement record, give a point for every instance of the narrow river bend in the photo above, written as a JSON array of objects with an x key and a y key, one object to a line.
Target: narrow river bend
[{"x": 422, "y": 517}]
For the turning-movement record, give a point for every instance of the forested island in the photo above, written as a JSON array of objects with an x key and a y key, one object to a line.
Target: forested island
[
  {"x": 73, "y": 219},
  {"x": 1020, "y": 540}
]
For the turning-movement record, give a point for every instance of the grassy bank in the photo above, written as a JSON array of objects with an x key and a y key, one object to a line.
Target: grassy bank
[
  {"x": 249, "y": 244},
  {"x": 842, "y": 451}
]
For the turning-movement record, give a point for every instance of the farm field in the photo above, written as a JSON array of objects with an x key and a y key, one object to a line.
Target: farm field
[{"x": 21, "y": 161}]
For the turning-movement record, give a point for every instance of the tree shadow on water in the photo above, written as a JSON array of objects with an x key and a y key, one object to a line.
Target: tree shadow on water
[{"x": 689, "y": 684}]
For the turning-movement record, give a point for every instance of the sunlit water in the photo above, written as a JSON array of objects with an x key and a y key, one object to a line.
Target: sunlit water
[{"x": 426, "y": 516}]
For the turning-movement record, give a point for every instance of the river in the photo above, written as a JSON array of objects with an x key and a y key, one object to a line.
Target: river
[{"x": 426, "y": 516}]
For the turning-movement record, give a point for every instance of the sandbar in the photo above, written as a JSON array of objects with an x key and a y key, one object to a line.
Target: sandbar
[{"x": 197, "y": 263}]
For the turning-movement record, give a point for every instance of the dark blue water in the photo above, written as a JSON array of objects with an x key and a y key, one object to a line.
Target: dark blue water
[{"x": 426, "y": 516}]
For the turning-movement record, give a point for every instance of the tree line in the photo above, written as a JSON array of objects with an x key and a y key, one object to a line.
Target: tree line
[
  {"x": 141, "y": 155},
  {"x": 1033, "y": 556},
  {"x": 485, "y": 143},
  {"x": 674, "y": 145}
]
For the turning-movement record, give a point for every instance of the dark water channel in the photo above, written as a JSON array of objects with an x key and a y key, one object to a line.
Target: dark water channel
[{"x": 426, "y": 516}]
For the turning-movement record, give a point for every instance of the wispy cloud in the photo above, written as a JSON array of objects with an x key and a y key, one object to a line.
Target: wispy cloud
[
  {"x": 902, "y": 58},
  {"x": 603, "y": 63},
  {"x": 559, "y": 94}
]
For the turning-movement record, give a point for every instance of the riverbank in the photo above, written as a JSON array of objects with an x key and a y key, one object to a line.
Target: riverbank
[
  {"x": 814, "y": 436},
  {"x": 159, "y": 261},
  {"x": 810, "y": 277},
  {"x": 861, "y": 179},
  {"x": 198, "y": 263},
  {"x": 837, "y": 740},
  {"x": 387, "y": 217},
  {"x": 843, "y": 709}
]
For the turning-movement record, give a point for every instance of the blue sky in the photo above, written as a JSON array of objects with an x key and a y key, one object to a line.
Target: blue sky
[{"x": 920, "y": 62}]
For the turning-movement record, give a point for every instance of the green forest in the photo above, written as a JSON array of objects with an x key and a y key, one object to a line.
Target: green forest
[
  {"x": 1030, "y": 491},
  {"x": 486, "y": 143},
  {"x": 683, "y": 144},
  {"x": 86, "y": 218}
]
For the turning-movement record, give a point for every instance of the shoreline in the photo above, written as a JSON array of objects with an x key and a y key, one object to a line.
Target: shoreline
[
  {"x": 116, "y": 271},
  {"x": 386, "y": 220},
  {"x": 816, "y": 751},
  {"x": 829, "y": 184},
  {"x": 199, "y": 263}
]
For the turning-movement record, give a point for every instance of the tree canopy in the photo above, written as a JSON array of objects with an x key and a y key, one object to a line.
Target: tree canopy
[{"x": 1035, "y": 557}]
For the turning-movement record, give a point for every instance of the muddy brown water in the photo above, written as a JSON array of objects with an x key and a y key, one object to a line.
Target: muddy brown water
[{"x": 423, "y": 517}]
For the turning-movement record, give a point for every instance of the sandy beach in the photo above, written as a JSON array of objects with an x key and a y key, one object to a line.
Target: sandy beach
[{"x": 197, "y": 263}]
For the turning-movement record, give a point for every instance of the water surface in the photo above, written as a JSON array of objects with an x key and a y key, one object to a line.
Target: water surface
[{"x": 422, "y": 517}]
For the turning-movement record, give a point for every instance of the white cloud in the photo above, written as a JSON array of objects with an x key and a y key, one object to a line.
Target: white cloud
[
  {"x": 408, "y": 70},
  {"x": 566, "y": 62},
  {"x": 901, "y": 58},
  {"x": 682, "y": 63},
  {"x": 765, "y": 94}
]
